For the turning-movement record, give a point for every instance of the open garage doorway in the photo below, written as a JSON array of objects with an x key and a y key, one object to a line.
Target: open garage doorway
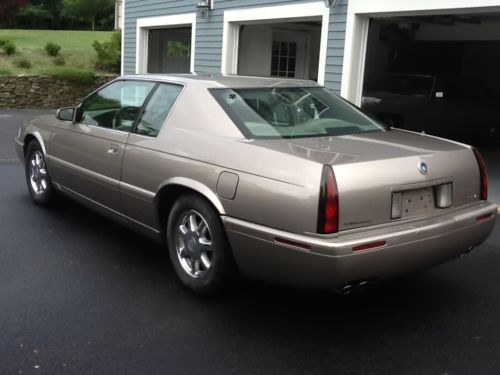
[
  {"x": 438, "y": 74},
  {"x": 288, "y": 49},
  {"x": 286, "y": 40}
]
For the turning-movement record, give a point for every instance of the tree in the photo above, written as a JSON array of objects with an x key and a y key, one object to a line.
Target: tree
[
  {"x": 9, "y": 7},
  {"x": 86, "y": 9},
  {"x": 41, "y": 14}
]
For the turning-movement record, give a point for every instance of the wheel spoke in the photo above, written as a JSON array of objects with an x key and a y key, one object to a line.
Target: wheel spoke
[
  {"x": 205, "y": 241},
  {"x": 193, "y": 225},
  {"x": 38, "y": 159},
  {"x": 197, "y": 267},
  {"x": 205, "y": 261},
  {"x": 191, "y": 265},
  {"x": 182, "y": 251},
  {"x": 183, "y": 229},
  {"x": 43, "y": 171},
  {"x": 202, "y": 227}
]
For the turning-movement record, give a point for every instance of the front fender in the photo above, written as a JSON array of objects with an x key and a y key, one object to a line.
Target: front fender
[{"x": 37, "y": 136}]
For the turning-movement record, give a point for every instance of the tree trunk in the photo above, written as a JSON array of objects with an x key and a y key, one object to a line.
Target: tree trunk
[{"x": 93, "y": 23}]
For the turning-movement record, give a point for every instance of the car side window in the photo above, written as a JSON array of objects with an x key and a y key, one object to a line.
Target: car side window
[
  {"x": 157, "y": 109},
  {"x": 117, "y": 105}
]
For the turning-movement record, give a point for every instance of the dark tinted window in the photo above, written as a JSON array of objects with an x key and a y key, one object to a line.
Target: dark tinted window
[
  {"x": 117, "y": 105},
  {"x": 157, "y": 109}
]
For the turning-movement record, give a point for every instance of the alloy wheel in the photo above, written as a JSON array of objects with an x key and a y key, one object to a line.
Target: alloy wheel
[{"x": 194, "y": 244}]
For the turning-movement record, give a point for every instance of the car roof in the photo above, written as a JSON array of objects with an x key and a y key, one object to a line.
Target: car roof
[{"x": 224, "y": 81}]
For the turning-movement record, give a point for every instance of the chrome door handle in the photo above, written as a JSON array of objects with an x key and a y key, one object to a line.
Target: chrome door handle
[{"x": 113, "y": 149}]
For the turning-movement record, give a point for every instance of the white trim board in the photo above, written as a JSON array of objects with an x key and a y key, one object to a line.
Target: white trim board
[
  {"x": 145, "y": 24},
  {"x": 122, "y": 63},
  {"x": 358, "y": 18},
  {"x": 278, "y": 13}
]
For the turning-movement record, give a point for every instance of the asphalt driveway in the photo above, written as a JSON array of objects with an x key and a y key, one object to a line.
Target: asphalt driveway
[{"x": 80, "y": 294}]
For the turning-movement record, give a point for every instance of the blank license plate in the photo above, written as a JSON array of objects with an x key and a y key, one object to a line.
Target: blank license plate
[{"x": 418, "y": 201}]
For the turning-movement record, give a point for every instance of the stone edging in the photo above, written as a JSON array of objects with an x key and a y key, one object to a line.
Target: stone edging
[{"x": 38, "y": 91}]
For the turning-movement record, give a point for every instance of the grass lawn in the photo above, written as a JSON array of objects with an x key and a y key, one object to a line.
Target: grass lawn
[{"x": 76, "y": 49}]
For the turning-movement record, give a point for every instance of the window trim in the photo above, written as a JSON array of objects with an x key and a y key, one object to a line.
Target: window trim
[
  {"x": 148, "y": 23},
  {"x": 146, "y": 102}
]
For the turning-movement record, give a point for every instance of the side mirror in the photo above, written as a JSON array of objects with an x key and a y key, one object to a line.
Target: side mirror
[{"x": 66, "y": 114}]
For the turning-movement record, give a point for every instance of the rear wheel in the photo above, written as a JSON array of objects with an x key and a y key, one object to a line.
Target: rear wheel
[
  {"x": 198, "y": 246},
  {"x": 37, "y": 175}
]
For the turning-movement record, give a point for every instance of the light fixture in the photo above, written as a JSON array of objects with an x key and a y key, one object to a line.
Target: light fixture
[
  {"x": 203, "y": 7},
  {"x": 330, "y": 3}
]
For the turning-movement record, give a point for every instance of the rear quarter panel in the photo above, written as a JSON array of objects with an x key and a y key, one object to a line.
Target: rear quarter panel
[{"x": 275, "y": 190}]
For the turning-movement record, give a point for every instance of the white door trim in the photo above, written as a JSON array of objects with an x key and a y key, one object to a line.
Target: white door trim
[
  {"x": 358, "y": 18},
  {"x": 145, "y": 24},
  {"x": 284, "y": 13}
]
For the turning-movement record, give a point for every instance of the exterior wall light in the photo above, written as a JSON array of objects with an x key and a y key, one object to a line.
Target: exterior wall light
[
  {"x": 203, "y": 7},
  {"x": 330, "y": 3}
]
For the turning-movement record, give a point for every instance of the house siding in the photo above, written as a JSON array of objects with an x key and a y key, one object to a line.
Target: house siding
[{"x": 208, "y": 45}]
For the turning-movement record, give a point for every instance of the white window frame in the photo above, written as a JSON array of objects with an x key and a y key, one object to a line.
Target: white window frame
[
  {"x": 286, "y": 13},
  {"x": 122, "y": 69},
  {"x": 358, "y": 18},
  {"x": 146, "y": 24}
]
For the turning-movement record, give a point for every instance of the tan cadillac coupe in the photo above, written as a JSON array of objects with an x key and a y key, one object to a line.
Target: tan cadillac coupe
[{"x": 278, "y": 180}]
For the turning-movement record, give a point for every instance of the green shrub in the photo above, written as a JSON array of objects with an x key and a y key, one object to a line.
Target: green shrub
[
  {"x": 52, "y": 49},
  {"x": 79, "y": 76},
  {"x": 23, "y": 63},
  {"x": 9, "y": 47},
  {"x": 3, "y": 41},
  {"x": 59, "y": 61},
  {"x": 109, "y": 53}
]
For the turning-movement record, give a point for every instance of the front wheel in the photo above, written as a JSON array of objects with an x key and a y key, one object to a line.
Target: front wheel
[
  {"x": 198, "y": 246},
  {"x": 37, "y": 175}
]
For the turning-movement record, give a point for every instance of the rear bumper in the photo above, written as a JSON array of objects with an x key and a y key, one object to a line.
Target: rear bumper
[{"x": 329, "y": 262}]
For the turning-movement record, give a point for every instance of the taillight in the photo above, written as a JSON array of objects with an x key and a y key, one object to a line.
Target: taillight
[
  {"x": 328, "y": 212},
  {"x": 483, "y": 172}
]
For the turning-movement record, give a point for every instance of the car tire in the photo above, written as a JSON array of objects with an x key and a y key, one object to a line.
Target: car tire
[
  {"x": 37, "y": 175},
  {"x": 198, "y": 246}
]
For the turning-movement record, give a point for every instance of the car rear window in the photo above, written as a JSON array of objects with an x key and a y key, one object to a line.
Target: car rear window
[{"x": 292, "y": 112}]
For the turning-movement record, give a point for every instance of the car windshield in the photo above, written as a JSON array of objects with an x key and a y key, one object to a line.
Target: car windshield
[{"x": 292, "y": 112}]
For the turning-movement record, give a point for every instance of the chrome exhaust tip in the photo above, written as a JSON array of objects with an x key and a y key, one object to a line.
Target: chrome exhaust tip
[
  {"x": 362, "y": 286},
  {"x": 346, "y": 290}
]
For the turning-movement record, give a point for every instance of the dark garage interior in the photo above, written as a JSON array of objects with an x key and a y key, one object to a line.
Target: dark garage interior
[{"x": 438, "y": 74}]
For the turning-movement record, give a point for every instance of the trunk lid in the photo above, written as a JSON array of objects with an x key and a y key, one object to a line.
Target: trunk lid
[{"x": 370, "y": 167}]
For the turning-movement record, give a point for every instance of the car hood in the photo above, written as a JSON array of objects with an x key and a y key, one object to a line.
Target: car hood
[{"x": 361, "y": 147}]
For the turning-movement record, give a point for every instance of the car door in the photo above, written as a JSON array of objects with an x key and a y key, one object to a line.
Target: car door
[
  {"x": 87, "y": 154},
  {"x": 147, "y": 162}
]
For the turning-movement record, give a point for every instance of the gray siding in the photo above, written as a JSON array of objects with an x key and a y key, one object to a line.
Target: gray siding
[{"x": 209, "y": 32}]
